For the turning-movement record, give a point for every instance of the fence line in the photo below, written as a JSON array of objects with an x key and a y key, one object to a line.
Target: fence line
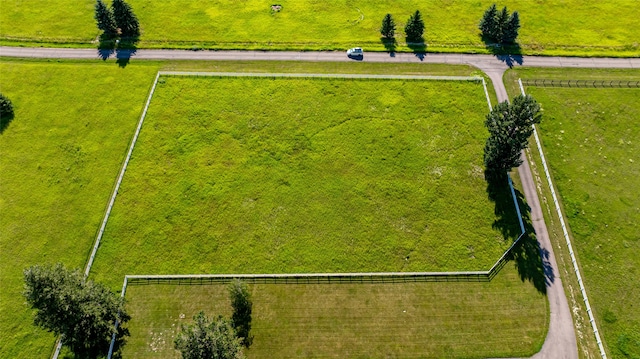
[
  {"x": 567, "y": 239},
  {"x": 582, "y": 83},
  {"x": 317, "y": 75}
]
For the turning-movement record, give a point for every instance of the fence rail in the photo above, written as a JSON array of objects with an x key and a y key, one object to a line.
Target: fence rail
[{"x": 582, "y": 83}]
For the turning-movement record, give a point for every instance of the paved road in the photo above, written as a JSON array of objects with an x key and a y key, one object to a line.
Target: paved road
[{"x": 561, "y": 341}]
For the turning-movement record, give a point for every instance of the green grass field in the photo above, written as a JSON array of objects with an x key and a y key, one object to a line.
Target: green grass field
[
  {"x": 232, "y": 176},
  {"x": 590, "y": 140},
  {"x": 569, "y": 27},
  {"x": 59, "y": 157},
  {"x": 503, "y": 318}
]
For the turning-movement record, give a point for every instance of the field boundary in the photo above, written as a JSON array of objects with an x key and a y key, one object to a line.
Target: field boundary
[
  {"x": 375, "y": 277},
  {"x": 566, "y": 236},
  {"x": 582, "y": 83}
]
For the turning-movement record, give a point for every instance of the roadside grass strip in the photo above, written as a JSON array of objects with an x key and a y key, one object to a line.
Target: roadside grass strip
[{"x": 589, "y": 137}]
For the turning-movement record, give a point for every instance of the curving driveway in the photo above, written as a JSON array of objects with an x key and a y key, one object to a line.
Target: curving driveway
[{"x": 560, "y": 342}]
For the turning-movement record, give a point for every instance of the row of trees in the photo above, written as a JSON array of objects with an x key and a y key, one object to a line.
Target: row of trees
[
  {"x": 119, "y": 20},
  {"x": 414, "y": 28},
  {"x": 499, "y": 27},
  {"x": 84, "y": 314}
]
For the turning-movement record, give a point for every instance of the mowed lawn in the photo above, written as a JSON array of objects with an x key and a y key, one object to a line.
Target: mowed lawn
[
  {"x": 503, "y": 318},
  {"x": 555, "y": 27},
  {"x": 242, "y": 175},
  {"x": 591, "y": 141},
  {"x": 58, "y": 159}
]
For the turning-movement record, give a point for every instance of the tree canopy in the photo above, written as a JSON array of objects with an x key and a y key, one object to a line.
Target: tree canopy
[
  {"x": 388, "y": 28},
  {"x": 510, "y": 126},
  {"x": 6, "y": 107},
  {"x": 83, "y": 312},
  {"x": 104, "y": 19},
  {"x": 125, "y": 19},
  {"x": 209, "y": 339},
  {"x": 414, "y": 29},
  {"x": 499, "y": 26}
]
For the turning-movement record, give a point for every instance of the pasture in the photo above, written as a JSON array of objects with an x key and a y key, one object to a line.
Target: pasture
[
  {"x": 58, "y": 156},
  {"x": 502, "y": 318},
  {"x": 573, "y": 27},
  {"x": 259, "y": 175}
]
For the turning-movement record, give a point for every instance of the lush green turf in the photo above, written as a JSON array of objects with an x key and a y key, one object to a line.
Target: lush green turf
[
  {"x": 503, "y": 318},
  {"x": 58, "y": 157},
  {"x": 590, "y": 140},
  {"x": 292, "y": 175},
  {"x": 569, "y": 27}
]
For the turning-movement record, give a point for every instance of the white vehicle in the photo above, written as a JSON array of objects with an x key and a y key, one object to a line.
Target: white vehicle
[{"x": 355, "y": 52}]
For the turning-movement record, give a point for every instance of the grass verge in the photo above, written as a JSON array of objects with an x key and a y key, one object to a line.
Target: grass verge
[
  {"x": 599, "y": 28},
  {"x": 238, "y": 175},
  {"x": 403, "y": 320},
  {"x": 589, "y": 143}
]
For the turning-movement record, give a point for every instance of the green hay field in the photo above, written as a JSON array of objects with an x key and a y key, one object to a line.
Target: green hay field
[
  {"x": 553, "y": 27},
  {"x": 238, "y": 175},
  {"x": 503, "y": 318},
  {"x": 58, "y": 156},
  {"x": 590, "y": 139}
]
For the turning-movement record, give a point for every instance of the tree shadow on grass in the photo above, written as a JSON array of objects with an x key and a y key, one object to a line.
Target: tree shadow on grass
[
  {"x": 126, "y": 48},
  {"x": 418, "y": 47},
  {"x": 390, "y": 45},
  {"x": 5, "y": 120},
  {"x": 531, "y": 261},
  {"x": 121, "y": 340}
]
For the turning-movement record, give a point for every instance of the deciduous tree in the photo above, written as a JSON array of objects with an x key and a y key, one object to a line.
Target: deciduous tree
[
  {"x": 83, "y": 312},
  {"x": 209, "y": 339},
  {"x": 510, "y": 126}
]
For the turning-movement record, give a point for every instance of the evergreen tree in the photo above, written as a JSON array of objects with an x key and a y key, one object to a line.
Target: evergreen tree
[
  {"x": 125, "y": 19},
  {"x": 414, "y": 29},
  {"x": 510, "y": 126},
  {"x": 6, "y": 107},
  {"x": 501, "y": 25},
  {"x": 511, "y": 30},
  {"x": 104, "y": 19},
  {"x": 388, "y": 28},
  {"x": 242, "y": 307},
  {"x": 207, "y": 338},
  {"x": 83, "y": 312},
  {"x": 488, "y": 23}
]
